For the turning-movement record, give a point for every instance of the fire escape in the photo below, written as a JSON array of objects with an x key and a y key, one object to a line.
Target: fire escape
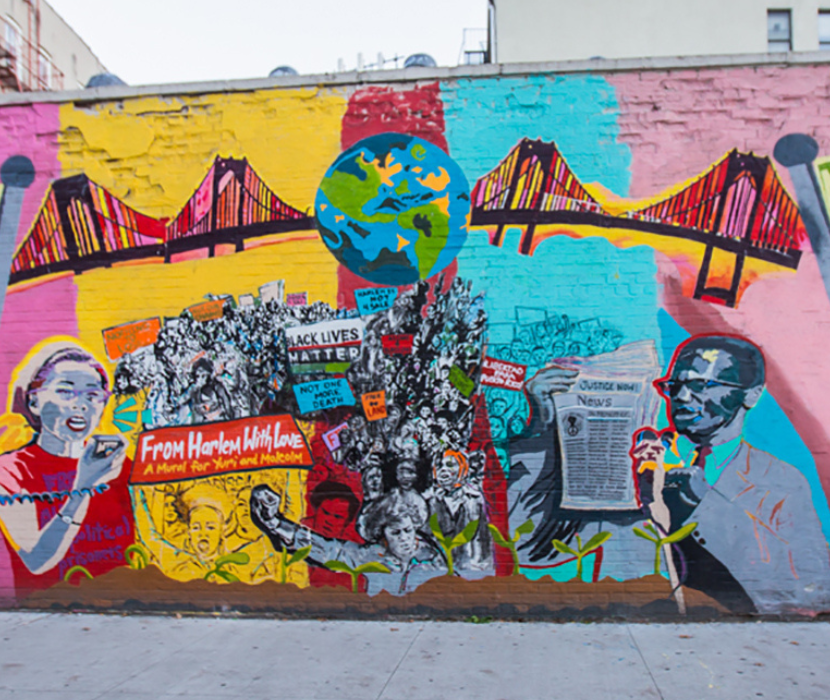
[{"x": 24, "y": 64}]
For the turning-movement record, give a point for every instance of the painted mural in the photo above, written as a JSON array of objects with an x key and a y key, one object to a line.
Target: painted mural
[{"x": 422, "y": 345}]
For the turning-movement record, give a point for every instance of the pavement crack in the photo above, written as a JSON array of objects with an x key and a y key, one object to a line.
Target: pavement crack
[
  {"x": 645, "y": 663},
  {"x": 400, "y": 661}
]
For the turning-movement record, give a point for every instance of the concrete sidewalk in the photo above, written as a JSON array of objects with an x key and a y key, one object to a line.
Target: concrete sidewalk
[{"x": 83, "y": 657}]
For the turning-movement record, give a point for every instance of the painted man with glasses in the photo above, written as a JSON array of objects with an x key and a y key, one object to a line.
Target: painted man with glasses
[{"x": 758, "y": 544}]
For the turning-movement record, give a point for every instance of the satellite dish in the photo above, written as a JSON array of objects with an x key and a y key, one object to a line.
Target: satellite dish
[
  {"x": 420, "y": 60},
  {"x": 282, "y": 70},
  {"x": 104, "y": 80}
]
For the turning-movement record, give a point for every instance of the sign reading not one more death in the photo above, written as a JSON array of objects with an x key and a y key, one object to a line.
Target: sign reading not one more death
[{"x": 327, "y": 393}]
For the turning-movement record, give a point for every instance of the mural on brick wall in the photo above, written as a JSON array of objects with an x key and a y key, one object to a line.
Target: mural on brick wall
[{"x": 418, "y": 346}]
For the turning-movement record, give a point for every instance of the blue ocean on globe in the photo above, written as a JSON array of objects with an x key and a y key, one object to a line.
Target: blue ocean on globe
[{"x": 393, "y": 209}]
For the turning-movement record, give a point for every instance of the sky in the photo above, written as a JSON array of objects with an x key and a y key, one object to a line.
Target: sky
[{"x": 147, "y": 42}]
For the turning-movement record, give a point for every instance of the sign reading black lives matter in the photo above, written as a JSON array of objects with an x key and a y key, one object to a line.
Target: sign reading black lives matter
[{"x": 329, "y": 341}]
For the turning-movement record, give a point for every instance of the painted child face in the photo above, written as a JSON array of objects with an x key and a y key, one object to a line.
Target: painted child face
[
  {"x": 171, "y": 516},
  {"x": 205, "y": 531}
]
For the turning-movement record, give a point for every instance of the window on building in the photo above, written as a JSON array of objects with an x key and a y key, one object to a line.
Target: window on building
[
  {"x": 824, "y": 30},
  {"x": 11, "y": 36},
  {"x": 44, "y": 71},
  {"x": 779, "y": 31}
]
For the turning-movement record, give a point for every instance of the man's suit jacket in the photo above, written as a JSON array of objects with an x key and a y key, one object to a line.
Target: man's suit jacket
[
  {"x": 757, "y": 527},
  {"x": 758, "y": 520}
]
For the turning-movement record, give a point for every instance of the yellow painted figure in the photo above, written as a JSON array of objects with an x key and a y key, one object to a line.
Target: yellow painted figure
[{"x": 202, "y": 529}]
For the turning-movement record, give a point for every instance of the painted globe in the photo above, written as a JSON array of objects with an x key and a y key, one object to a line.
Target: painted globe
[{"x": 393, "y": 209}]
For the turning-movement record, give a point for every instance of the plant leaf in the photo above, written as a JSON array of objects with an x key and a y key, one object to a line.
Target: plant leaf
[
  {"x": 74, "y": 570},
  {"x": 680, "y": 534},
  {"x": 525, "y": 528},
  {"x": 138, "y": 550},
  {"x": 652, "y": 529},
  {"x": 497, "y": 536},
  {"x": 372, "y": 567},
  {"x": 560, "y": 546},
  {"x": 465, "y": 535},
  {"x": 241, "y": 558},
  {"x": 436, "y": 528},
  {"x": 645, "y": 536},
  {"x": 597, "y": 541},
  {"x": 227, "y": 575},
  {"x": 335, "y": 565},
  {"x": 299, "y": 555}
]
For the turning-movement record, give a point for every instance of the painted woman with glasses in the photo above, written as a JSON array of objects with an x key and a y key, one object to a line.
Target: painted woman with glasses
[{"x": 63, "y": 498}]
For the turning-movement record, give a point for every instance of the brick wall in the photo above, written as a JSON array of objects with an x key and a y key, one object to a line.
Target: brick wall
[{"x": 451, "y": 345}]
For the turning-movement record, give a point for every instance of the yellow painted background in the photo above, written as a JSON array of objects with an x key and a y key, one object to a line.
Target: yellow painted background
[
  {"x": 153, "y": 152},
  {"x": 165, "y": 145}
]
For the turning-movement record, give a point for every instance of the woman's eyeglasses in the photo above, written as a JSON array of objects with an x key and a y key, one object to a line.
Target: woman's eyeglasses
[{"x": 96, "y": 396}]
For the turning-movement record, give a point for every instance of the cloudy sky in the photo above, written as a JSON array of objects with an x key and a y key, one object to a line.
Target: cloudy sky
[{"x": 166, "y": 41}]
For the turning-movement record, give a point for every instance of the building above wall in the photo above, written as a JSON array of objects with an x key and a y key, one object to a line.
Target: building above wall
[
  {"x": 560, "y": 30},
  {"x": 411, "y": 75},
  {"x": 40, "y": 51}
]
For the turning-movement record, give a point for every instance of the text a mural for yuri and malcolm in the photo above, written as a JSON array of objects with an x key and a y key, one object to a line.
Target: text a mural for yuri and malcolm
[{"x": 422, "y": 390}]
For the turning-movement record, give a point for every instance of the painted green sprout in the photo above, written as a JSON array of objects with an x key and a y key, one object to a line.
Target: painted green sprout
[
  {"x": 136, "y": 557},
  {"x": 450, "y": 543},
  {"x": 654, "y": 536},
  {"x": 372, "y": 567},
  {"x": 581, "y": 550},
  {"x": 524, "y": 529},
  {"x": 238, "y": 558},
  {"x": 76, "y": 570},
  {"x": 286, "y": 561}
]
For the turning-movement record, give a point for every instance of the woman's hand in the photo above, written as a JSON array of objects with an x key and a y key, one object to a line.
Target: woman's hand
[{"x": 101, "y": 461}]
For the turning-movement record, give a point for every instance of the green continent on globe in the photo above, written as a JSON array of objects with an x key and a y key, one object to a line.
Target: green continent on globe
[{"x": 393, "y": 209}]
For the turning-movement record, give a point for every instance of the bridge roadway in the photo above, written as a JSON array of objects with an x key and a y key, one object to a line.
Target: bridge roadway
[{"x": 787, "y": 257}]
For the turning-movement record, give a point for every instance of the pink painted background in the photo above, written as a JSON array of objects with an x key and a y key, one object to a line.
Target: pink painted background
[
  {"x": 47, "y": 309},
  {"x": 676, "y": 124}
]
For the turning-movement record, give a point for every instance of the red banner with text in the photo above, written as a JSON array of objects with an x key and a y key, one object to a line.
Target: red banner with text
[{"x": 193, "y": 451}]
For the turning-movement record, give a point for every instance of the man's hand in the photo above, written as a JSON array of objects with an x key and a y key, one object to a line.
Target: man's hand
[
  {"x": 265, "y": 514},
  {"x": 682, "y": 493},
  {"x": 682, "y": 490},
  {"x": 668, "y": 496},
  {"x": 545, "y": 384}
]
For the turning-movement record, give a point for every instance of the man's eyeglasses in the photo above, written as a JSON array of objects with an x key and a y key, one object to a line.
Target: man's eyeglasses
[{"x": 672, "y": 387}]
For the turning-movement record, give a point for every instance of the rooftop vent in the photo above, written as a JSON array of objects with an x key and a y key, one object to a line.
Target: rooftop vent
[
  {"x": 420, "y": 60},
  {"x": 104, "y": 80},
  {"x": 282, "y": 70}
]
